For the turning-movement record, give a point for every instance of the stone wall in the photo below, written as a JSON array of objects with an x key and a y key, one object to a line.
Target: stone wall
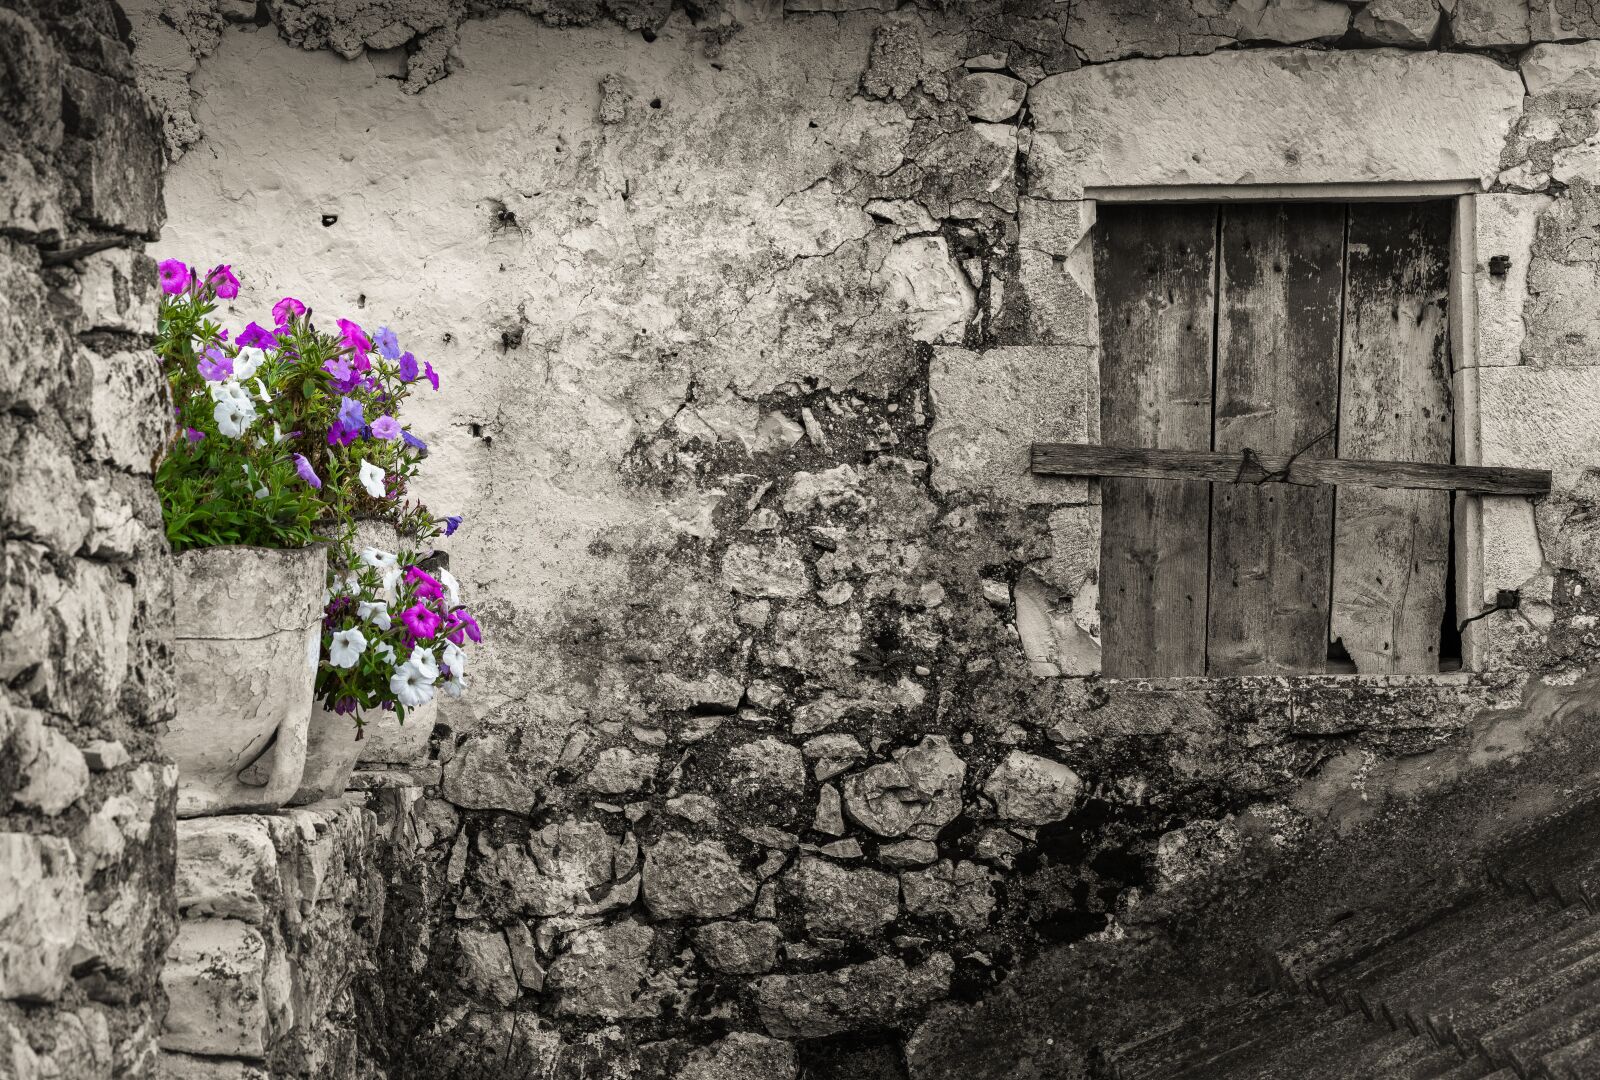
[
  {"x": 787, "y": 731},
  {"x": 86, "y": 806}
]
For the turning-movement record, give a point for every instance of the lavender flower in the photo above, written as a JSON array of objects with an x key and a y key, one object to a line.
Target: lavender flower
[
  {"x": 303, "y": 467},
  {"x": 386, "y": 428},
  {"x": 388, "y": 344},
  {"x": 215, "y": 366}
]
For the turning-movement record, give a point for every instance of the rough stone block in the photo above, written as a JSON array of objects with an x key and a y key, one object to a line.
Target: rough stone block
[
  {"x": 175, "y": 1066},
  {"x": 227, "y": 867},
  {"x": 116, "y": 291},
  {"x": 1540, "y": 418},
  {"x": 865, "y": 997},
  {"x": 1504, "y": 230},
  {"x": 992, "y": 406},
  {"x": 600, "y": 970},
  {"x": 1511, "y": 551},
  {"x": 41, "y": 908},
  {"x": 1410, "y": 24},
  {"x": 51, "y": 771},
  {"x": 30, "y": 200},
  {"x": 40, "y": 496},
  {"x": 1112, "y": 29},
  {"x": 486, "y": 965},
  {"x": 32, "y": 347},
  {"x": 843, "y": 901},
  {"x": 130, "y": 422},
  {"x": 1556, "y": 20},
  {"x": 1275, "y": 116},
  {"x": 743, "y": 1055},
  {"x": 227, "y": 996},
  {"x": 1489, "y": 23},
  {"x": 120, "y": 178},
  {"x": 34, "y": 70}
]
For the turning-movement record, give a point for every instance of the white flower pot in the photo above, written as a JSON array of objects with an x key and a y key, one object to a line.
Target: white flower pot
[
  {"x": 249, "y": 628},
  {"x": 331, "y": 750},
  {"x": 386, "y": 741}
]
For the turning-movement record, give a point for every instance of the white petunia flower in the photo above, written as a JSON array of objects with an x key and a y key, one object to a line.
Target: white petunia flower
[
  {"x": 246, "y": 363},
  {"x": 456, "y": 687},
  {"x": 385, "y": 650},
  {"x": 410, "y": 686},
  {"x": 372, "y": 479},
  {"x": 346, "y": 648},
  {"x": 452, "y": 587},
  {"x": 454, "y": 658},
  {"x": 379, "y": 560},
  {"x": 375, "y": 612},
  {"x": 233, "y": 417},
  {"x": 228, "y": 390},
  {"x": 261, "y": 391},
  {"x": 391, "y": 578},
  {"x": 422, "y": 659}
]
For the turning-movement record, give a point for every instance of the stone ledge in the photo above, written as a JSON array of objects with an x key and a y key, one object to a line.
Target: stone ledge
[{"x": 1272, "y": 116}]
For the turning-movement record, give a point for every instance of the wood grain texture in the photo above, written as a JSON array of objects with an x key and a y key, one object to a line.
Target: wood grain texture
[
  {"x": 1391, "y": 548},
  {"x": 1279, "y": 304},
  {"x": 1155, "y": 282},
  {"x": 1080, "y": 459}
]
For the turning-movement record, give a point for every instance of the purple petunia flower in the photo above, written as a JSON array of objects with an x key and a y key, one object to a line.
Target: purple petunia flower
[
  {"x": 286, "y": 309},
  {"x": 309, "y": 475},
  {"x": 255, "y": 336},
  {"x": 192, "y": 435},
  {"x": 339, "y": 435},
  {"x": 408, "y": 368},
  {"x": 452, "y": 522},
  {"x": 352, "y": 337},
  {"x": 421, "y": 621},
  {"x": 386, "y": 428},
  {"x": 340, "y": 369},
  {"x": 414, "y": 442},
  {"x": 350, "y": 414},
  {"x": 215, "y": 366},
  {"x": 432, "y": 375},
  {"x": 174, "y": 276},
  {"x": 388, "y": 344},
  {"x": 222, "y": 280}
]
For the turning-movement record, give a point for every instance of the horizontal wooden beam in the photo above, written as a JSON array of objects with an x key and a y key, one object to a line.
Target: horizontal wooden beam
[
  {"x": 1076, "y": 459},
  {"x": 1353, "y": 191}
]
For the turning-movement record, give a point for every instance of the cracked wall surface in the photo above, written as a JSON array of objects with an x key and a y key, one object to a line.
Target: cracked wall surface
[
  {"x": 86, "y": 804},
  {"x": 786, "y": 736}
]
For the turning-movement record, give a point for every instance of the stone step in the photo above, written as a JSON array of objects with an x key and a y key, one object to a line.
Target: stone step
[
  {"x": 1467, "y": 932},
  {"x": 1558, "y": 857},
  {"x": 1505, "y": 991},
  {"x": 1459, "y": 974},
  {"x": 1203, "y": 1041},
  {"x": 1578, "y": 1060},
  {"x": 1350, "y": 941},
  {"x": 1331, "y": 1053},
  {"x": 1527, "y": 1053}
]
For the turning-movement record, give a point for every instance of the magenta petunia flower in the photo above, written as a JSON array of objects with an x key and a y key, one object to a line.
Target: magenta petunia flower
[
  {"x": 255, "y": 336},
  {"x": 286, "y": 309},
  {"x": 215, "y": 366},
  {"x": 428, "y": 586},
  {"x": 221, "y": 279},
  {"x": 307, "y": 473},
  {"x": 432, "y": 375},
  {"x": 420, "y": 621},
  {"x": 464, "y": 623},
  {"x": 408, "y": 368},
  {"x": 353, "y": 338},
  {"x": 386, "y": 428},
  {"x": 174, "y": 276}
]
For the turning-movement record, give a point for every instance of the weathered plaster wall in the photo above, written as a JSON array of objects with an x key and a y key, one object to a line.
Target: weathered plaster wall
[
  {"x": 745, "y": 319},
  {"x": 86, "y": 806}
]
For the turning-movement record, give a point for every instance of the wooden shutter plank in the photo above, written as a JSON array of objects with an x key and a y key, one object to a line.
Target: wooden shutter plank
[
  {"x": 1276, "y": 390},
  {"x": 1391, "y": 549},
  {"x": 1083, "y": 459},
  {"x": 1155, "y": 280}
]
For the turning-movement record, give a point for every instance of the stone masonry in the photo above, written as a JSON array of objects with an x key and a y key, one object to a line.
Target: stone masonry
[{"x": 787, "y": 753}]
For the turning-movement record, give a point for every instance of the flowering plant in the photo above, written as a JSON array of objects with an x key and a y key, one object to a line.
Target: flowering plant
[
  {"x": 290, "y": 435},
  {"x": 392, "y": 634}
]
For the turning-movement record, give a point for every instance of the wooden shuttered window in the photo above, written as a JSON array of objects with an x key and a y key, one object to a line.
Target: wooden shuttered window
[{"x": 1309, "y": 330}]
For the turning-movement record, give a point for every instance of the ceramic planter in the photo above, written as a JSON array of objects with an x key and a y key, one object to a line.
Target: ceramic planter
[
  {"x": 331, "y": 750},
  {"x": 386, "y": 741},
  {"x": 249, "y": 630}
]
